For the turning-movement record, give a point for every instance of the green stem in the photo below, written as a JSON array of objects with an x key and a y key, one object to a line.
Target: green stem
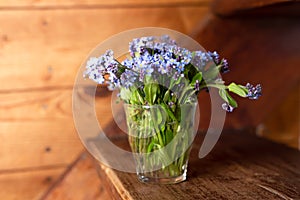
[
  {"x": 170, "y": 113},
  {"x": 160, "y": 140},
  {"x": 218, "y": 86}
]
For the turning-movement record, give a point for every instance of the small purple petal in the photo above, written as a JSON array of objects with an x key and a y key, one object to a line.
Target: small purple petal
[{"x": 227, "y": 107}]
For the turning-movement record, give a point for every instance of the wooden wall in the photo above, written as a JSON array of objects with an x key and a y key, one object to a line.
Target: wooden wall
[
  {"x": 42, "y": 44},
  {"x": 260, "y": 40}
]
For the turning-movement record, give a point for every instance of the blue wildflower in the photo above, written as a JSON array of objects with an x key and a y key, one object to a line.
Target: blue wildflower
[
  {"x": 253, "y": 92},
  {"x": 224, "y": 66},
  {"x": 167, "y": 40},
  {"x": 97, "y": 78},
  {"x": 197, "y": 86},
  {"x": 163, "y": 69},
  {"x": 98, "y": 68},
  {"x": 200, "y": 59},
  {"x": 127, "y": 79},
  {"x": 114, "y": 81},
  {"x": 152, "y": 57},
  {"x": 139, "y": 44},
  {"x": 215, "y": 57},
  {"x": 227, "y": 107}
]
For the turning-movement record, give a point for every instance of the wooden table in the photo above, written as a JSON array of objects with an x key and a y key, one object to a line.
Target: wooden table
[{"x": 240, "y": 167}]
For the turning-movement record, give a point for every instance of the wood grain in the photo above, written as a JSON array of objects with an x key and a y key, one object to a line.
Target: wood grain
[
  {"x": 48, "y": 49},
  {"x": 263, "y": 50},
  {"x": 80, "y": 182},
  {"x": 27, "y": 185},
  {"x": 96, "y": 3},
  {"x": 42, "y": 45},
  {"x": 39, "y": 105},
  {"x": 44, "y": 105},
  {"x": 37, "y": 143},
  {"x": 282, "y": 125},
  {"x": 230, "y": 7},
  {"x": 241, "y": 166},
  {"x": 41, "y": 122}
]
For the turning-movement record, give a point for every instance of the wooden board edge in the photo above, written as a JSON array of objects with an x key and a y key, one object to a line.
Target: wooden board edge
[
  {"x": 63, "y": 175},
  {"x": 113, "y": 183}
]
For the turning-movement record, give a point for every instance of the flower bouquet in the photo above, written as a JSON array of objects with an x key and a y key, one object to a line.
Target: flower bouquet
[{"x": 158, "y": 82}]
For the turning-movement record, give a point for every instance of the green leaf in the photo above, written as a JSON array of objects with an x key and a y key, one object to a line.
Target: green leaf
[
  {"x": 227, "y": 98},
  {"x": 169, "y": 112},
  {"x": 125, "y": 94},
  {"x": 169, "y": 136},
  {"x": 151, "y": 91},
  {"x": 238, "y": 89},
  {"x": 150, "y": 146},
  {"x": 232, "y": 102},
  {"x": 211, "y": 73},
  {"x": 167, "y": 96},
  {"x": 158, "y": 117},
  {"x": 135, "y": 96},
  {"x": 187, "y": 92},
  {"x": 140, "y": 96},
  {"x": 198, "y": 77}
]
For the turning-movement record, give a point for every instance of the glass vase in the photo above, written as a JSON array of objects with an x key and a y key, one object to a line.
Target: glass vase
[{"x": 160, "y": 137}]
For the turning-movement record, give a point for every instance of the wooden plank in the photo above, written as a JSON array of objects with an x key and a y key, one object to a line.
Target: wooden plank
[
  {"x": 41, "y": 123},
  {"x": 255, "y": 53},
  {"x": 241, "y": 166},
  {"x": 81, "y": 3},
  {"x": 282, "y": 125},
  {"x": 229, "y": 7},
  {"x": 48, "y": 49},
  {"x": 37, "y": 143},
  {"x": 27, "y": 185},
  {"x": 80, "y": 181},
  {"x": 48, "y": 104},
  {"x": 40, "y": 104}
]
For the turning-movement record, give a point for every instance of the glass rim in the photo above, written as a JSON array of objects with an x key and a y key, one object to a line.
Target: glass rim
[{"x": 155, "y": 105}]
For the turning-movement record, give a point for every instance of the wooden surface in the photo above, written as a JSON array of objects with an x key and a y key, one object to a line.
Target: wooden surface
[
  {"x": 241, "y": 166},
  {"x": 236, "y": 7},
  {"x": 28, "y": 183},
  {"x": 42, "y": 45},
  {"x": 80, "y": 181},
  {"x": 280, "y": 126},
  {"x": 51, "y": 46},
  {"x": 15, "y": 4},
  {"x": 261, "y": 50}
]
